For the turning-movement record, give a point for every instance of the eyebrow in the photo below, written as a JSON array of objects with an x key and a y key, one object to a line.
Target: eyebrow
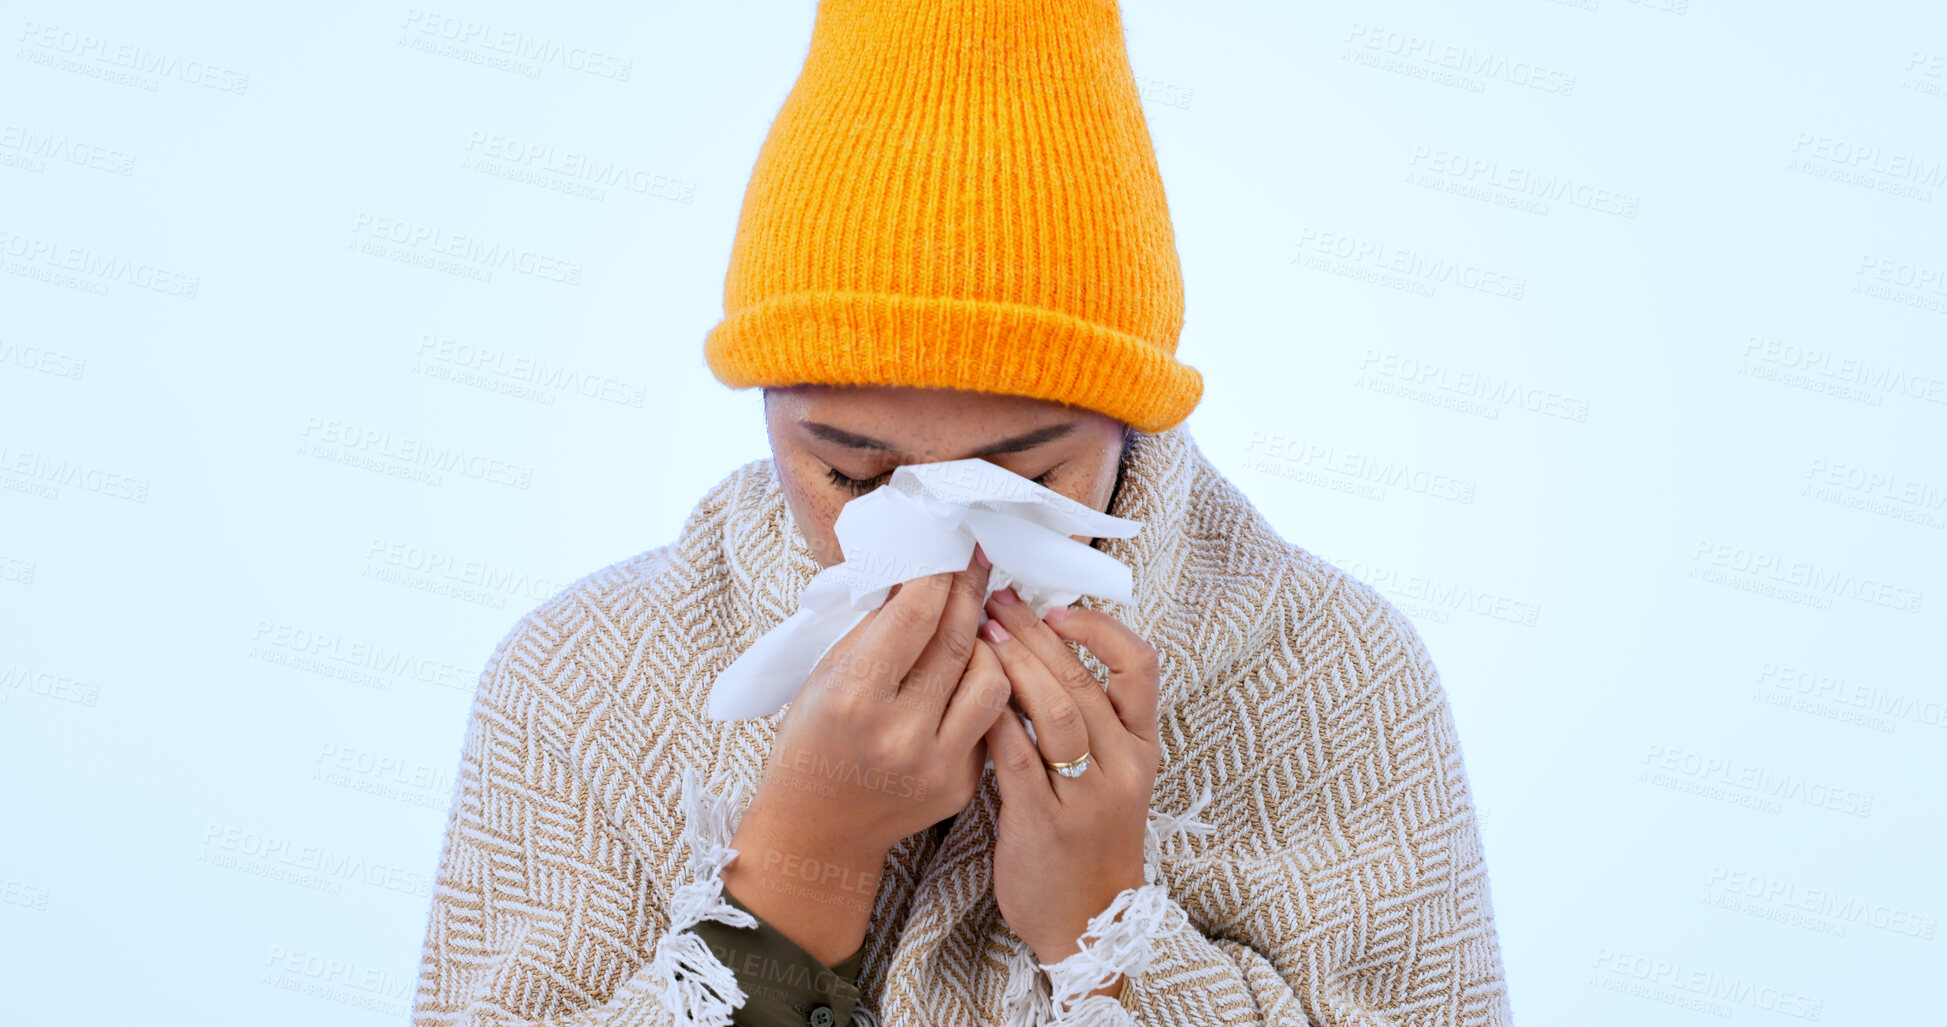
[{"x": 1026, "y": 440}]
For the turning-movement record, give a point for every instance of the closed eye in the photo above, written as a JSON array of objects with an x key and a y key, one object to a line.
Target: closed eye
[{"x": 860, "y": 486}]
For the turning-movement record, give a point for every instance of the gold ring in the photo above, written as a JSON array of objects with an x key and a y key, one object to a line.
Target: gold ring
[{"x": 1069, "y": 768}]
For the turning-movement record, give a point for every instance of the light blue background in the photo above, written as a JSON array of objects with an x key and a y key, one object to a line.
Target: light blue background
[{"x": 163, "y": 754}]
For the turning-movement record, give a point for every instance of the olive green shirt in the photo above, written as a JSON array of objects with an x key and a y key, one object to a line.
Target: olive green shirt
[{"x": 786, "y": 986}]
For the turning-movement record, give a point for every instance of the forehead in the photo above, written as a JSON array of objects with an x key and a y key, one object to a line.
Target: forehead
[{"x": 913, "y": 421}]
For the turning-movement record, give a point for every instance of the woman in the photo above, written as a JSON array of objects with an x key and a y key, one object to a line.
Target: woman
[{"x": 1243, "y": 801}]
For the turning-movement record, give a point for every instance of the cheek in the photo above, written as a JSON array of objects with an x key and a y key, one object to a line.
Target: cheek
[
  {"x": 1101, "y": 485},
  {"x": 814, "y": 510}
]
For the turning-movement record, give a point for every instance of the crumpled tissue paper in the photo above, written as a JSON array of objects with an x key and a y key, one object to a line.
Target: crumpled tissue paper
[{"x": 926, "y": 520}]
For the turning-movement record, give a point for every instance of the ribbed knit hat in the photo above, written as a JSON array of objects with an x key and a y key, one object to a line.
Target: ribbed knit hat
[{"x": 961, "y": 194}]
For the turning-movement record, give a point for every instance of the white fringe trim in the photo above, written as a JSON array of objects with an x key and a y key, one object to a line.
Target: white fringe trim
[
  {"x": 1166, "y": 828},
  {"x": 1118, "y": 943},
  {"x": 1026, "y": 1001},
  {"x": 700, "y": 989},
  {"x": 1111, "y": 948}
]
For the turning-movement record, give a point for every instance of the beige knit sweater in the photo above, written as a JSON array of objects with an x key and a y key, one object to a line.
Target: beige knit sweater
[{"x": 1341, "y": 882}]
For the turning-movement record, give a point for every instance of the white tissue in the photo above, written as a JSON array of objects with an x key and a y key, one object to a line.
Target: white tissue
[{"x": 926, "y": 520}]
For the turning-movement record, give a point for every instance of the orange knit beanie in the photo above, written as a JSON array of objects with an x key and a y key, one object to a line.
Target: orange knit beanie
[{"x": 961, "y": 194}]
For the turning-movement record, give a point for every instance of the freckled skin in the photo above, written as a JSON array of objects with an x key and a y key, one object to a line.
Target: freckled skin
[{"x": 927, "y": 425}]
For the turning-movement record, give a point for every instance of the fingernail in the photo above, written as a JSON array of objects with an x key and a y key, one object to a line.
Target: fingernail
[
  {"x": 1005, "y": 596},
  {"x": 995, "y": 633},
  {"x": 1055, "y": 615},
  {"x": 980, "y": 557}
]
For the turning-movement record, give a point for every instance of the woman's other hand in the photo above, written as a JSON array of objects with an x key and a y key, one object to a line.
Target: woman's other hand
[{"x": 1066, "y": 846}]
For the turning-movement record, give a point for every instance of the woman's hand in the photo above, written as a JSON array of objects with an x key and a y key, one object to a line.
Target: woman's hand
[
  {"x": 1067, "y": 845},
  {"x": 886, "y": 738}
]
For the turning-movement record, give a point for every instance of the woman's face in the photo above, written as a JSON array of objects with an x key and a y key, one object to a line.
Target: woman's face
[{"x": 822, "y": 432}]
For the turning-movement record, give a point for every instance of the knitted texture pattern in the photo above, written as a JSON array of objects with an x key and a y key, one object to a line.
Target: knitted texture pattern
[
  {"x": 961, "y": 195},
  {"x": 1312, "y": 856}
]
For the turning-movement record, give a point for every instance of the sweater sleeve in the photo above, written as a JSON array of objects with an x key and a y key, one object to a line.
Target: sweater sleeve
[
  {"x": 542, "y": 914},
  {"x": 1380, "y": 915}
]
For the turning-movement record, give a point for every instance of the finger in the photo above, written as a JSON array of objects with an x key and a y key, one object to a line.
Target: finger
[
  {"x": 1060, "y": 732},
  {"x": 1019, "y": 774},
  {"x": 938, "y": 671},
  {"x": 981, "y": 697},
  {"x": 844, "y": 668},
  {"x": 1104, "y": 730},
  {"x": 1134, "y": 677},
  {"x": 899, "y": 629}
]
